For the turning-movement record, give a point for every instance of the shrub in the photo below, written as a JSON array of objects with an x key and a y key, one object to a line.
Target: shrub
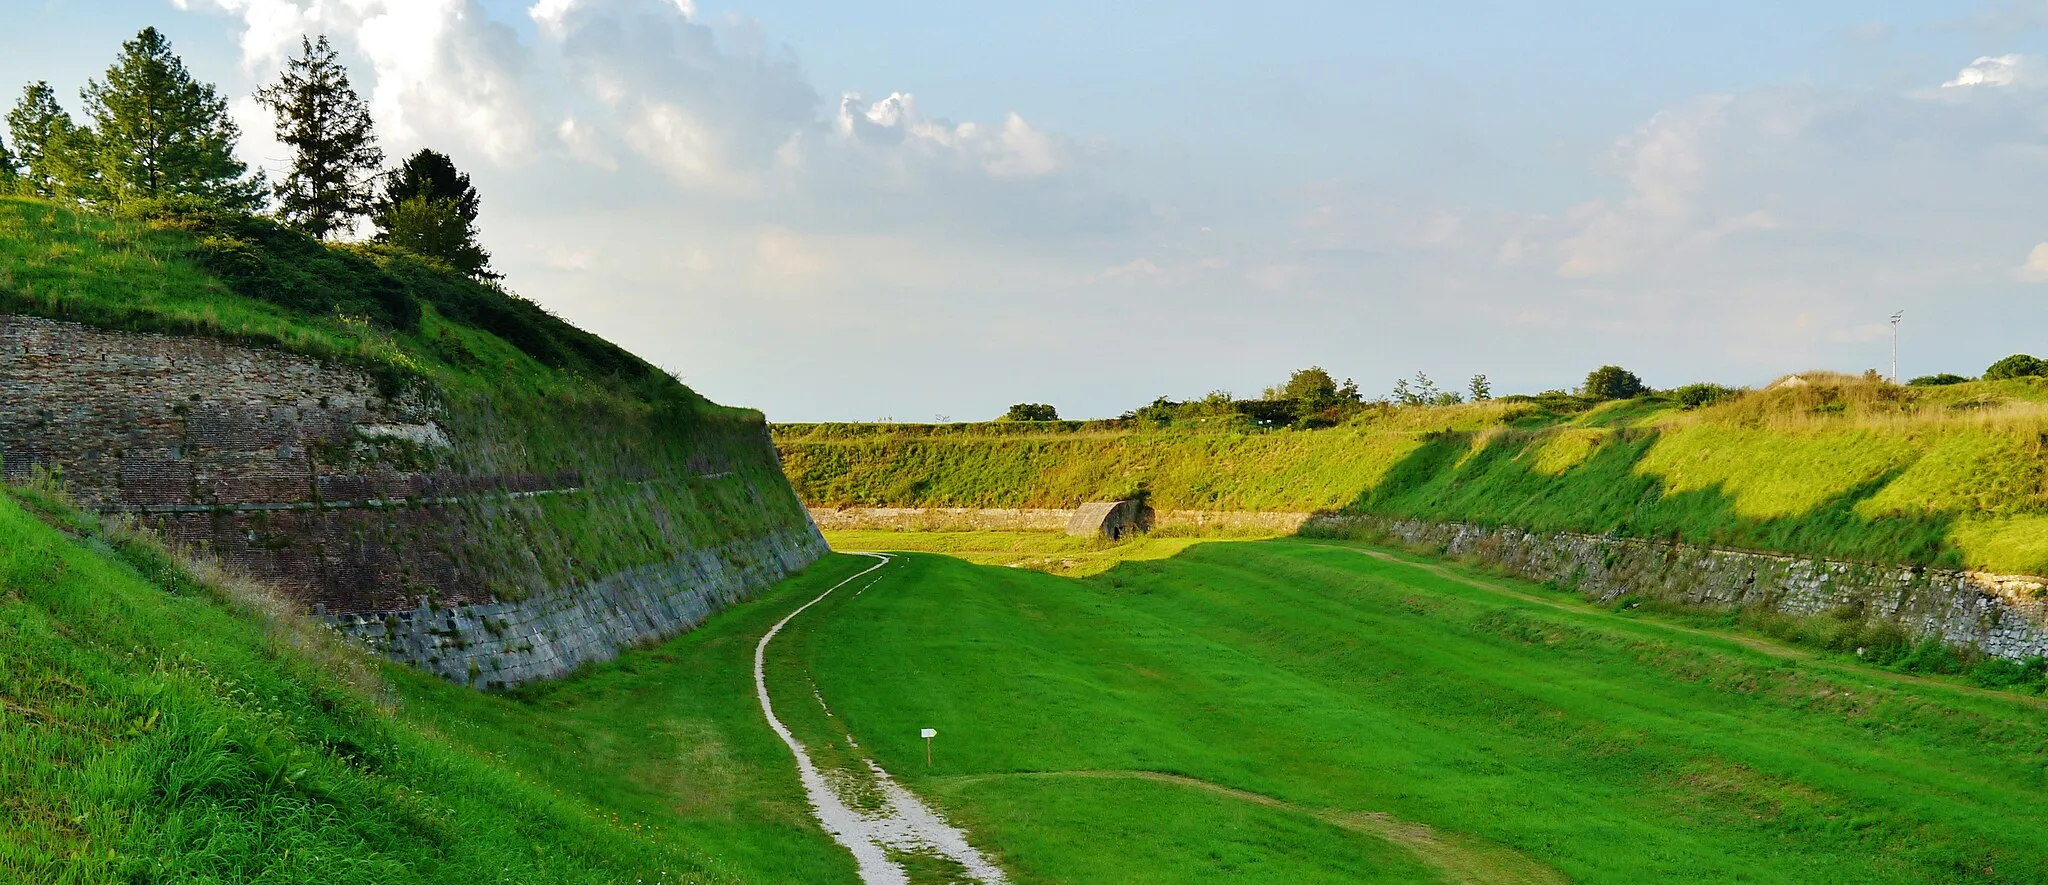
[
  {"x": 1693, "y": 396},
  {"x": 1941, "y": 380},
  {"x": 1613, "y": 382},
  {"x": 2002, "y": 673},
  {"x": 1931, "y": 656},
  {"x": 2018, "y": 365}
]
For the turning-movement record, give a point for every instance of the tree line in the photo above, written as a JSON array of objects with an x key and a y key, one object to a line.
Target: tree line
[
  {"x": 155, "y": 139},
  {"x": 1312, "y": 397}
]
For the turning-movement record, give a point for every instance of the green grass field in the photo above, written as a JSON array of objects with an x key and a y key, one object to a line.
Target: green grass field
[
  {"x": 1173, "y": 710},
  {"x": 1223, "y": 713}
]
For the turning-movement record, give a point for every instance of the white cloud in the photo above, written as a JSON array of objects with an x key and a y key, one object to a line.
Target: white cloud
[
  {"x": 1013, "y": 150},
  {"x": 442, "y": 70},
  {"x": 711, "y": 108},
  {"x": 2001, "y": 70},
  {"x": 1664, "y": 164},
  {"x": 2035, "y": 268}
]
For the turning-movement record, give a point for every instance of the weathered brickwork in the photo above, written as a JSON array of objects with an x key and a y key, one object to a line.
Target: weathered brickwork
[
  {"x": 276, "y": 464},
  {"x": 501, "y": 645},
  {"x": 2003, "y": 615}
]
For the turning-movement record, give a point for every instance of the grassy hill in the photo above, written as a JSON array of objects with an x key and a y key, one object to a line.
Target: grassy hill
[
  {"x": 1311, "y": 711},
  {"x": 1841, "y": 466},
  {"x": 164, "y": 724}
]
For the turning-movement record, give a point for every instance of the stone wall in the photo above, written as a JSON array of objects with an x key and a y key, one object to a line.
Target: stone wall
[
  {"x": 968, "y": 519},
  {"x": 940, "y": 519},
  {"x": 500, "y": 645},
  {"x": 352, "y": 499},
  {"x": 2003, "y": 615}
]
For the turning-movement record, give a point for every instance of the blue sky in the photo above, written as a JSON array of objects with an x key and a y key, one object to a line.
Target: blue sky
[{"x": 1093, "y": 204}]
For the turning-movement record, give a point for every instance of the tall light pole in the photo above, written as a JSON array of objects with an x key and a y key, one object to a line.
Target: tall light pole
[{"x": 1895, "y": 344}]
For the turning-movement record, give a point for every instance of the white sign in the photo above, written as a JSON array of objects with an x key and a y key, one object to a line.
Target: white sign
[{"x": 928, "y": 733}]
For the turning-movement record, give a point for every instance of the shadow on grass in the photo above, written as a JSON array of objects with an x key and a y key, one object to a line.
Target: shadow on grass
[{"x": 1492, "y": 480}]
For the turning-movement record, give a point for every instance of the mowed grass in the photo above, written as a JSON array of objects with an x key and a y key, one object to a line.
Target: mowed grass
[{"x": 1300, "y": 684}]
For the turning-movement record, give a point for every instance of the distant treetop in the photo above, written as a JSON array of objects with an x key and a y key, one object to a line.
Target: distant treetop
[
  {"x": 1613, "y": 382},
  {"x": 2018, "y": 365},
  {"x": 1032, "y": 412}
]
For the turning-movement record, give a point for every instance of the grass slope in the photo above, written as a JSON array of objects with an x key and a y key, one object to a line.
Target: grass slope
[
  {"x": 155, "y": 727},
  {"x": 1951, "y": 476},
  {"x": 1519, "y": 724}
]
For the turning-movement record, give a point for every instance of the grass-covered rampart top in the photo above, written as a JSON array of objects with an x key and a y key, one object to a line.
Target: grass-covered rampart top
[
  {"x": 522, "y": 391},
  {"x": 1844, "y": 467}
]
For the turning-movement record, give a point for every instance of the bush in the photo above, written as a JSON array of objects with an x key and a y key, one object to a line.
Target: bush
[
  {"x": 2018, "y": 365},
  {"x": 1931, "y": 656},
  {"x": 1032, "y": 412},
  {"x": 1693, "y": 396},
  {"x": 1613, "y": 382},
  {"x": 2002, "y": 673},
  {"x": 1941, "y": 380}
]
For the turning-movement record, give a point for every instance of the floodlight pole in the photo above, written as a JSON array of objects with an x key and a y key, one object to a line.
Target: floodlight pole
[{"x": 1895, "y": 344}]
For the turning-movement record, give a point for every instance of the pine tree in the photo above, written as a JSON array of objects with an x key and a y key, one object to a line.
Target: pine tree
[
  {"x": 335, "y": 145},
  {"x": 431, "y": 174},
  {"x": 163, "y": 134},
  {"x": 53, "y": 154},
  {"x": 430, "y": 208}
]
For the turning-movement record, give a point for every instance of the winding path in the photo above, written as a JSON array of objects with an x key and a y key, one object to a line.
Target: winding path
[{"x": 901, "y": 824}]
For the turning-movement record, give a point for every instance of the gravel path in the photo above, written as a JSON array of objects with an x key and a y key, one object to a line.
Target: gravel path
[{"x": 902, "y": 824}]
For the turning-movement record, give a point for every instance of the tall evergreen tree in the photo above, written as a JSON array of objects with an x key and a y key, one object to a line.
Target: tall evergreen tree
[
  {"x": 429, "y": 207},
  {"x": 163, "y": 134},
  {"x": 335, "y": 153},
  {"x": 54, "y": 155},
  {"x": 428, "y": 173}
]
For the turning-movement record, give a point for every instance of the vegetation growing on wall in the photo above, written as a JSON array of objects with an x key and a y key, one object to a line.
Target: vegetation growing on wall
[{"x": 1839, "y": 465}]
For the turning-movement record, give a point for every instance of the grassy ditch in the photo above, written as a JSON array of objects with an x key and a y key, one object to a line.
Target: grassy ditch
[{"x": 1099, "y": 729}]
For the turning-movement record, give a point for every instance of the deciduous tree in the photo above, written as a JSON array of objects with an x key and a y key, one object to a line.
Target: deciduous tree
[
  {"x": 334, "y": 144},
  {"x": 2018, "y": 365},
  {"x": 435, "y": 229},
  {"x": 1613, "y": 382}
]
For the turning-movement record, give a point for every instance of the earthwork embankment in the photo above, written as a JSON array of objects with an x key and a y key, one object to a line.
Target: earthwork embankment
[{"x": 490, "y": 546}]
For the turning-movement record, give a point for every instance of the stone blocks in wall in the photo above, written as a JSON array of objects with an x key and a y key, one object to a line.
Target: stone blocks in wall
[
  {"x": 2004, "y": 616},
  {"x": 502, "y": 645}
]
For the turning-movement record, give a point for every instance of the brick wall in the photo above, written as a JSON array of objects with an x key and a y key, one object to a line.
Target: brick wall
[{"x": 253, "y": 455}]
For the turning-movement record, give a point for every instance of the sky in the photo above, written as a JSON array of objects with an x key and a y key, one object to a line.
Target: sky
[{"x": 932, "y": 210}]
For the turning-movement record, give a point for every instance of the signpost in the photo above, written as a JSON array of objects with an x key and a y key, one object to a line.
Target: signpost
[{"x": 928, "y": 734}]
